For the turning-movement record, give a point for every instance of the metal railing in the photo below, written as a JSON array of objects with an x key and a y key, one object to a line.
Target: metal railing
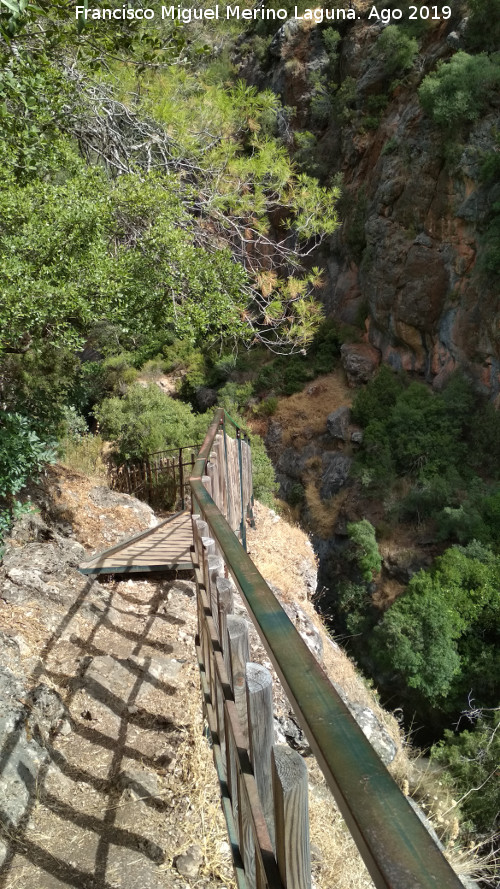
[
  {"x": 395, "y": 846},
  {"x": 160, "y": 478}
]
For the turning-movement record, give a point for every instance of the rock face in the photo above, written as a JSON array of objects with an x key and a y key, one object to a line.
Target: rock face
[
  {"x": 360, "y": 361},
  {"x": 335, "y": 473},
  {"x": 337, "y": 423},
  {"x": 409, "y": 256}
]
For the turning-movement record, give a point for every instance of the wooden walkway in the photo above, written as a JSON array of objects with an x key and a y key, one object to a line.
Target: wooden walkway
[{"x": 165, "y": 547}]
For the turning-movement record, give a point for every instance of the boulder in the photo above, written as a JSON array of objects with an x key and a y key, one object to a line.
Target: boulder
[
  {"x": 337, "y": 423},
  {"x": 188, "y": 864},
  {"x": 336, "y": 468},
  {"x": 360, "y": 361},
  {"x": 205, "y": 398}
]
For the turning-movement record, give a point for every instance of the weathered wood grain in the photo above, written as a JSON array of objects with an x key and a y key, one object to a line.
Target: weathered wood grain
[{"x": 291, "y": 814}]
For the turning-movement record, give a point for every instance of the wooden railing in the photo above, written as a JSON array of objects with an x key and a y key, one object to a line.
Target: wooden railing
[
  {"x": 263, "y": 785},
  {"x": 161, "y": 478}
]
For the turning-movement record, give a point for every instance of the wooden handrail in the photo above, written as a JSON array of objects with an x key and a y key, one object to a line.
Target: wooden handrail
[{"x": 396, "y": 847}]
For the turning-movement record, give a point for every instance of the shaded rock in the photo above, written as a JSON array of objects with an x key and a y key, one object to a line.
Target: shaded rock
[
  {"x": 139, "y": 784},
  {"x": 10, "y": 654},
  {"x": 188, "y": 864},
  {"x": 357, "y": 437},
  {"x": 360, "y": 361},
  {"x": 286, "y": 727},
  {"x": 377, "y": 735},
  {"x": 205, "y": 398},
  {"x": 18, "y": 779},
  {"x": 337, "y": 423},
  {"x": 30, "y": 527},
  {"x": 47, "y": 712},
  {"x": 304, "y": 626},
  {"x": 336, "y": 468},
  {"x": 292, "y": 463}
]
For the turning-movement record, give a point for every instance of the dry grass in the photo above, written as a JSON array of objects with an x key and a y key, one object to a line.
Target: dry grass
[
  {"x": 304, "y": 414},
  {"x": 323, "y": 514},
  {"x": 198, "y": 811},
  {"x": 85, "y": 455},
  {"x": 280, "y": 552},
  {"x": 338, "y": 863}
]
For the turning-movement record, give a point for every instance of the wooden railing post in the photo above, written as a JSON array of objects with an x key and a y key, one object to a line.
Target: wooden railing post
[
  {"x": 259, "y": 687},
  {"x": 237, "y": 630},
  {"x": 291, "y": 817}
]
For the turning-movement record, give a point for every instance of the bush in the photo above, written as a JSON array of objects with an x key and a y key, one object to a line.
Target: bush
[
  {"x": 440, "y": 636},
  {"x": 459, "y": 91},
  {"x": 264, "y": 481},
  {"x": 145, "y": 420},
  {"x": 483, "y": 25},
  {"x": 472, "y": 758},
  {"x": 397, "y": 49},
  {"x": 366, "y": 552}
]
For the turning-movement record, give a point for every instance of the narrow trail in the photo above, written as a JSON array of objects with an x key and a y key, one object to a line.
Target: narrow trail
[{"x": 104, "y": 811}]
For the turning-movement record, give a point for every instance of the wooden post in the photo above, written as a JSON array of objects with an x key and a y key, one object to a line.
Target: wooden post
[
  {"x": 291, "y": 817},
  {"x": 215, "y": 570},
  {"x": 237, "y": 631},
  {"x": 181, "y": 479},
  {"x": 225, "y": 604},
  {"x": 207, "y": 483},
  {"x": 259, "y": 687}
]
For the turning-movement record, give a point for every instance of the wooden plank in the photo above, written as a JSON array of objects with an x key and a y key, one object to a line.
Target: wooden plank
[{"x": 160, "y": 547}]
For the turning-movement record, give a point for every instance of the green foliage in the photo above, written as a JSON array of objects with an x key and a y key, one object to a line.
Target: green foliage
[
  {"x": 440, "y": 636},
  {"x": 472, "y": 758},
  {"x": 416, "y": 641},
  {"x": 396, "y": 49},
  {"x": 460, "y": 90},
  {"x": 366, "y": 552},
  {"x": 234, "y": 397},
  {"x": 145, "y": 420},
  {"x": 296, "y": 495},
  {"x": 22, "y": 455},
  {"x": 435, "y": 441},
  {"x": 89, "y": 249},
  {"x": 284, "y": 376},
  {"x": 264, "y": 481},
  {"x": 483, "y": 25}
]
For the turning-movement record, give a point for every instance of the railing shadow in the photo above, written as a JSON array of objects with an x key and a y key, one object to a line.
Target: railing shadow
[{"x": 24, "y": 848}]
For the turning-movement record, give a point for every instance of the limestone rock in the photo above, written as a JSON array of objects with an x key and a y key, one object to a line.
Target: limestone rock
[
  {"x": 337, "y": 423},
  {"x": 335, "y": 473},
  {"x": 360, "y": 361},
  {"x": 188, "y": 864},
  {"x": 377, "y": 735}
]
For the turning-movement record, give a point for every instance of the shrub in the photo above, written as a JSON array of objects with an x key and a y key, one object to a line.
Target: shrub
[
  {"x": 145, "y": 420},
  {"x": 440, "y": 636},
  {"x": 472, "y": 758},
  {"x": 397, "y": 49},
  {"x": 483, "y": 25},
  {"x": 264, "y": 481},
  {"x": 459, "y": 91},
  {"x": 366, "y": 552}
]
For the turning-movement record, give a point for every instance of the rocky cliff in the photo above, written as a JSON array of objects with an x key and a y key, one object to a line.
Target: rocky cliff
[{"x": 407, "y": 265}]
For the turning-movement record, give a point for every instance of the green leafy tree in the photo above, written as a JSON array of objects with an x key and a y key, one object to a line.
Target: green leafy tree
[
  {"x": 440, "y": 636},
  {"x": 460, "y": 90}
]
